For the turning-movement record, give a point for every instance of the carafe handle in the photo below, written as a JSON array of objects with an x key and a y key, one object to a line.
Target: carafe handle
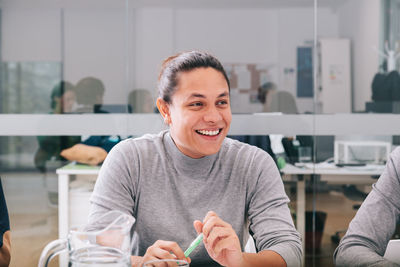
[{"x": 52, "y": 249}]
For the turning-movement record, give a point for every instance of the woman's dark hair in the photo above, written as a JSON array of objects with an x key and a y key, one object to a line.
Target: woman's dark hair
[
  {"x": 58, "y": 91},
  {"x": 184, "y": 62},
  {"x": 263, "y": 90}
]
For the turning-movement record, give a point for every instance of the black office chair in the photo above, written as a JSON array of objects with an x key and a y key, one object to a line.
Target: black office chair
[{"x": 260, "y": 141}]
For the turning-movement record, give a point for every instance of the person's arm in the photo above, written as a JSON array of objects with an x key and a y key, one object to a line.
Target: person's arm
[
  {"x": 115, "y": 187},
  {"x": 160, "y": 250},
  {"x": 5, "y": 250},
  {"x": 375, "y": 222},
  {"x": 5, "y": 242},
  {"x": 263, "y": 258},
  {"x": 223, "y": 245},
  {"x": 271, "y": 223}
]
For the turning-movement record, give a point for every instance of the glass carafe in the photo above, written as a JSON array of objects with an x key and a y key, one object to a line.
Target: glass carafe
[{"x": 106, "y": 242}]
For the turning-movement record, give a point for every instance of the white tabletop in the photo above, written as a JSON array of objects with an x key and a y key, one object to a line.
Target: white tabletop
[
  {"x": 76, "y": 168},
  {"x": 331, "y": 169}
]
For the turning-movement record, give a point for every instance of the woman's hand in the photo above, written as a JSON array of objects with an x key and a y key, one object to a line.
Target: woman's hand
[
  {"x": 220, "y": 240},
  {"x": 160, "y": 250}
]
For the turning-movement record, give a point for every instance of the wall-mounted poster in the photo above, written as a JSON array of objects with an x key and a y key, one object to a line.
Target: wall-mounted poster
[
  {"x": 304, "y": 72},
  {"x": 245, "y": 79}
]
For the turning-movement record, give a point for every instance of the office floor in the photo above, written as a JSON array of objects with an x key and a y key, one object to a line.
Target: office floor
[
  {"x": 34, "y": 220},
  {"x": 339, "y": 211}
]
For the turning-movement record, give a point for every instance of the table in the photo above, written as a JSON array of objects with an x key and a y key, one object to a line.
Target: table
[
  {"x": 65, "y": 174},
  {"x": 330, "y": 173}
]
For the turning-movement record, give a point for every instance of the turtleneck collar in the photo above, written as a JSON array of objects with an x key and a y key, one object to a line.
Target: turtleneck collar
[{"x": 185, "y": 164}]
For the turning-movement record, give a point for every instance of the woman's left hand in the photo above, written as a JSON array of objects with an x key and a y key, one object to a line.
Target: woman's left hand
[{"x": 220, "y": 240}]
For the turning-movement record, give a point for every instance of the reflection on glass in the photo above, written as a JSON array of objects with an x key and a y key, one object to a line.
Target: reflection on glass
[
  {"x": 276, "y": 101},
  {"x": 384, "y": 85},
  {"x": 140, "y": 101},
  {"x": 26, "y": 86},
  {"x": 337, "y": 188},
  {"x": 90, "y": 93}
]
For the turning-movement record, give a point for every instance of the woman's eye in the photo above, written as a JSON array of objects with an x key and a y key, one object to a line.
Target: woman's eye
[
  {"x": 196, "y": 104},
  {"x": 222, "y": 102}
]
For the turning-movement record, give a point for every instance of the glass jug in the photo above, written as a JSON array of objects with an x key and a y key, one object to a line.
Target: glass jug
[{"x": 106, "y": 242}]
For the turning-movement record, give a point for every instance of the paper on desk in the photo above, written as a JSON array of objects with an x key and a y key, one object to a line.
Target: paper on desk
[
  {"x": 78, "y": 166},
  {"x": 311, "y": 165},
  {"x": 368, "y": 167}
]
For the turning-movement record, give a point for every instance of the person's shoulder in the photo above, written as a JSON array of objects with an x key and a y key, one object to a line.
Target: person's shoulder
[
  {"x": 147, "y": 139},
  {"x": 142, "y": 142},
  {"x": 234, "y": 147},
  {"x": 395, "y": 157},
  {"x": 134, "y": 146},
  {"x": 396, "y": 152}
]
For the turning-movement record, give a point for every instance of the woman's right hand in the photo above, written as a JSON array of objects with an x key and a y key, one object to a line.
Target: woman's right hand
[{"x": 160, "y": 250}]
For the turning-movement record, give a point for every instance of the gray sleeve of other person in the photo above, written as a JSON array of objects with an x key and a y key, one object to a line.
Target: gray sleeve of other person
[
  {"x": 375, "y": 222},
  {"x": 269, "y": 215}
]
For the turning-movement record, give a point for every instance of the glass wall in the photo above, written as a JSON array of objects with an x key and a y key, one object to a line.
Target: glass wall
[{"x": 307, "y": 78}]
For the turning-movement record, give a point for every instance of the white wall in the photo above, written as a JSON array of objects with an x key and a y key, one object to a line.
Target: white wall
[
  {"x": 31, "y": 34},
  {"x": 359, "y": 20},
  {"x": 296, "y": 28},
  {"x": 96, "y": 42},
  {"x": 266, "y": 36},
  {"x": 233, "y": 35},
  {"x": 95, "y": 46},
  {"x": 154, "y": 41}
]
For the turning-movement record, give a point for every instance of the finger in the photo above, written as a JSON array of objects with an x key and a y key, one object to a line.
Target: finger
[
  {"x": 171, "y": 247},
  {"x": 212, "y": 222},
  {"x": 155, "y": 252},
  {"x": 228, "y": 243},
  {"x": 198, "y": 226},
  {"x": 209, "y": 215},
  {"x": 217, "y": 234}
]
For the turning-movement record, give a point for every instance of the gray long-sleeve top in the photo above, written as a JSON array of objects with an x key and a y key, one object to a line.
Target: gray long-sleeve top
[
  {"x": 166, "y": 191},
  {"x": 375, "y": 222}
]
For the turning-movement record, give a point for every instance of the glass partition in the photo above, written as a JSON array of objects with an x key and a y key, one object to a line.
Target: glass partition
[{"x": 311, "y": 83}]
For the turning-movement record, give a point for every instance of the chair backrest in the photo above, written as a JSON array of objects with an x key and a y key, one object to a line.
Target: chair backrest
[
  {"x": 282, "y": 101},
  {"x": 392, "y": 251}
]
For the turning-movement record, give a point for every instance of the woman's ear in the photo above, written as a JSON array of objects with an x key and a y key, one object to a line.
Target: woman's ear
[{"x": 163, "y": 107}]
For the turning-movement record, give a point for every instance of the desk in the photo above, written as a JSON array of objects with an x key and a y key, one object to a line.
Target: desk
[
  {"x": 64, "y": 175},
  {"x": 328, "y": 173}
]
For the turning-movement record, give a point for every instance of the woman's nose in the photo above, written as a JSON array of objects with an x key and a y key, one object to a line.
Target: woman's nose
[{"x": 212, "y": 115}]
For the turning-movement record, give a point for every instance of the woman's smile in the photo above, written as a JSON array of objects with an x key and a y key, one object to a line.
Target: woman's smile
[{"x": 210, "y": 133}]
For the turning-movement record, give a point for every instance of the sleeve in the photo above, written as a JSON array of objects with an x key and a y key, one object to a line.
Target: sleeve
[
  {"x": 105, "y": 142},
  {"x": 375, "y": 222},
  {"x": 115, "y": 187},
  {"x": 269, "y": 215}
]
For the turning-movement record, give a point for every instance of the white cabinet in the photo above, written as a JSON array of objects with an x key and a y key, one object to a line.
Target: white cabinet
[{"x": 335, "y": 75}]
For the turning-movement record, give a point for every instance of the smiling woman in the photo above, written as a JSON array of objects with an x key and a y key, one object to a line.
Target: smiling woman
[{"x": 192, "y": 171}]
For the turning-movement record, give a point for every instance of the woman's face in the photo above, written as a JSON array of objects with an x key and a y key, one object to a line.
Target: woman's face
[
  {"x": 199, "y": 113},
  {"x": 68, "y": 101}
]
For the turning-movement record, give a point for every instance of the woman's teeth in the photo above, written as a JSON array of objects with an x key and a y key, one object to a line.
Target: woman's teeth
[{"x": 209, "y": 133}]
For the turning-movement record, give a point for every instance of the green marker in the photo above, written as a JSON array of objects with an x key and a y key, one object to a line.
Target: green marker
[{"x": 194, "y": 244}]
